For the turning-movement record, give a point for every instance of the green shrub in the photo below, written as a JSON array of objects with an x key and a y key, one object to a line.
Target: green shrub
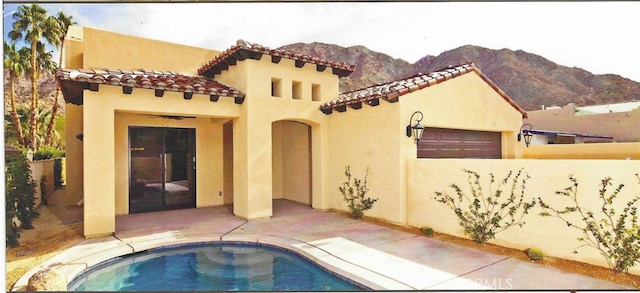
[
  {"x": 57, "y": 173},
  {"x": 535, "y": 254},
  {"x": 427, "y": 230},
  {"x": 482, "y": 217},
  {"x": 616, "y": 237},
  {"x": 355, "y": 195},
  {"x": 12, "y": 234},
  {"x": 43, "y": 189},
  {"x": 20, "y": 190},
  {"x": 46, "y": 153}
]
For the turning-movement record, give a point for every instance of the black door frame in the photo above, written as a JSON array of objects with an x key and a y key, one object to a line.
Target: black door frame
[{"x": 191, "y": 146}]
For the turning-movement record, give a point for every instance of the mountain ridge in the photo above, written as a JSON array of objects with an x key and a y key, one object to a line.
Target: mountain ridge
[{"x": 530, "y": 80}]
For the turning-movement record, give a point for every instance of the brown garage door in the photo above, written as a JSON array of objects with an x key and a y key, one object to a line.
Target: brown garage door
[{"x": 455, "y": 143}]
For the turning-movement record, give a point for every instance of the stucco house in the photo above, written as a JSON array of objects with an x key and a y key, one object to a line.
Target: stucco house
[
  {"x": 153, "y": 125},
  {"x": 619, "y": 121}
]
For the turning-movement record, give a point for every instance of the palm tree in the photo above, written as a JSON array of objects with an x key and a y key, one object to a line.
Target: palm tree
[
  {"x": 43, "y": 115},
  {"x": 65, "y": 21},
  {"x": 16, "y": 62},
  {"x": 32, "y": 25}
]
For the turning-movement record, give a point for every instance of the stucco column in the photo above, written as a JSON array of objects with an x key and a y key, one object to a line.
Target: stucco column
[
  {"x": 73, "y": 176},
  {"x": 99, "y": 166},
  {"x": 252, "y": 167},
  {"x": 321, "y": 191}
]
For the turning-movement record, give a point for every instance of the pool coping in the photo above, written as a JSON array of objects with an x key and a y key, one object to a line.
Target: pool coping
[
  {"x": 95, "y": 251},
  {"x": 378, "y": 257}
]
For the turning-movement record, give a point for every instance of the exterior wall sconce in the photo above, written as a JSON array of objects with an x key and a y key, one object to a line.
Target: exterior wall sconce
[
  {"x": 416, "y": 129},
  {"x": 525, "y": 131}
]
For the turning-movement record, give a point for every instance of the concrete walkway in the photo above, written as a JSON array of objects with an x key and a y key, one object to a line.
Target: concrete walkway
[{"x": 378, "y": 257}]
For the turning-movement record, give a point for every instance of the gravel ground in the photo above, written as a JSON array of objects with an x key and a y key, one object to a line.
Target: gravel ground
[{"x": 57, "y": 228}]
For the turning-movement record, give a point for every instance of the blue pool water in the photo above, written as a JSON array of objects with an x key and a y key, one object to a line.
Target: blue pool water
[{"x": 217, "y": 267}]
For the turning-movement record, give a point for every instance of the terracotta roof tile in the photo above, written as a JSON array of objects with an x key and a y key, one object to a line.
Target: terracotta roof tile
[
  {"x": 74, "y": 81},
  {"x": 391, "y": 91},
  {"x": 244, "y": 50}
]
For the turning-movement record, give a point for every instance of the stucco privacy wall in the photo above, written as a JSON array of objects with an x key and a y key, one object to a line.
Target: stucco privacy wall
[
  {"x": 623, "y": 126},
  {"x": 426, "y": 176},
  {"x": 38, "y": 169},
  {"x": 607, "y": 151},
  {"x": 374, "y": 136}
]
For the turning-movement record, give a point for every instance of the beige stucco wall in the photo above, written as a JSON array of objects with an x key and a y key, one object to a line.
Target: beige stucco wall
[
  {"x": 623, "y": 126},
  {"x": 426, "y": 176},
  {"x": 248, "y": 160},
  {"x": 106, "y": 125},
  {"x": 253, "y": 152},
  {"x": 370, "y": 137},
  {"x": 38, "y": 169},
  {"x": 375, "y": 137},
  {"x": 74, "y": 154},
  {"x": 104, "y": 49},
  {"x": 73, "y": 52},
  {"x": 291, "y": 161},
  {"x": 588, "y": 151},
  {"x": 239, "y": 154}
]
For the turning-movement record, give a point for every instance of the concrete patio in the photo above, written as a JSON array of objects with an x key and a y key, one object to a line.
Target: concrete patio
[{"x": 375, "y": 256}]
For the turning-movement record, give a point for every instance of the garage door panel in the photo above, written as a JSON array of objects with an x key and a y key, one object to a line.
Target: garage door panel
[
  {"x": 456, "y": 143},
  {"x": 451, "y": 137}
]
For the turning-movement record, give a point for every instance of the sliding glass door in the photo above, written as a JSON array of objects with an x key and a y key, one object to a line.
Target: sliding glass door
[{"x": 161, "y": 169}]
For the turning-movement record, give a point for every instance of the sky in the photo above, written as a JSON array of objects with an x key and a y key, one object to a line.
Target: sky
[{"x": 600, "y": 37}]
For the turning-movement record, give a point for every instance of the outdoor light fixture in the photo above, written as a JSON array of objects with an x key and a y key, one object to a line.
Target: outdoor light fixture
[
  {"x": 417, "y": 129},
  {"x": 525, "y": 131}
]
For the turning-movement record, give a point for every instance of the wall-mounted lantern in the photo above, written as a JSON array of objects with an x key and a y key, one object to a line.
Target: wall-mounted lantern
[
  {"x": 525, "y": 131},
  {"x": 416, "y": 129}
]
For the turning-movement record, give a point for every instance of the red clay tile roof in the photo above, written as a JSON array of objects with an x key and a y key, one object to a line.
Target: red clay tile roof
[
  {"x": 393, "y": 90},
  {"x": 244, "y": 50},
  {"x": 73, "y": 82}
]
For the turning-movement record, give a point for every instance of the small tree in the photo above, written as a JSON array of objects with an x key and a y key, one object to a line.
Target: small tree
[
  {"x": 616, "y": 237},
  {"x": 355, "y": 195},
  {"x": 482, "y": 217}
]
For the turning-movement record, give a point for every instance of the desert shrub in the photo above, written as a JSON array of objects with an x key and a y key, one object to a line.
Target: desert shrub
[
  {"x": 355, "y": 195},
  {"x": 535, "y": 254},
  {"x": 617, "y": 237},
  {"x": 483, "y": 216},
  {"x": 427, "y": 230},
  {"x": 20, "y": 190}
]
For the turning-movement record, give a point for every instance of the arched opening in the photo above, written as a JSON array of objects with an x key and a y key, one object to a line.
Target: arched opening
[{"x": 291, "y": 158}]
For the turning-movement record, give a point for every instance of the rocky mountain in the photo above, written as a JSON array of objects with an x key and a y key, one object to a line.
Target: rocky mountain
[
  {"x": 371, "y": 67},
  {"x": 529, "y": 79},
  {"x": 22, "y": 87}
]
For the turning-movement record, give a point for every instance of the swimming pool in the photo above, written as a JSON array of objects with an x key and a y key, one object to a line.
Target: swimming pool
[{"x": 213, "y": 267}]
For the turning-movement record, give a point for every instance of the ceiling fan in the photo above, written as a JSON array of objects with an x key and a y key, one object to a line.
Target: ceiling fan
[{"x": 171, "y": 117}]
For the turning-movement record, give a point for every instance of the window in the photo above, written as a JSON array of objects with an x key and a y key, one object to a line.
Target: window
[
  {"x": 316, "y": 95},
  {"x": 276, "y": 87},
  {"x": 296, "y": 90}
]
